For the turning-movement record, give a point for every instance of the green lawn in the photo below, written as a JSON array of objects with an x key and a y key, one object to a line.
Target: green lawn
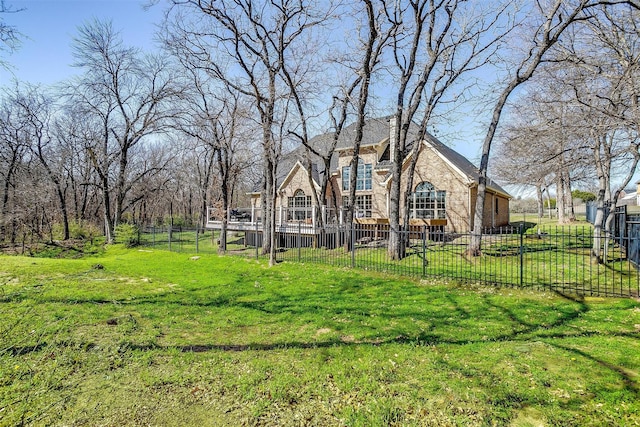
[
  {"x": 545, "y": 256},
  {"x": 149, "y": 337}
]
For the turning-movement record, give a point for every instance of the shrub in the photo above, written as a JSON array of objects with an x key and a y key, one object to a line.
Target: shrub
[
  {"x": 127, "y": 234},
  {"x": 77, "y": 230},
  {"x": 585, "y": 196},
  {"x": 176, "y": 221},
  {"x": 83, "y": 230}
]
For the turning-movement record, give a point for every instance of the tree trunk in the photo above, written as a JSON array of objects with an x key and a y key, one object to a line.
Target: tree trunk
[
  {"x": 108, "y": 221},
  {"x": 4, "y": 211},
  {"x": 540, "y": 202},
  {"x": 560, "y": 198},
  {"x": 63, "y": 210},
  {"x": 394, "y": 249},
  {"x": 222, "y": 247},
  {"x": 569, "y": 199}
]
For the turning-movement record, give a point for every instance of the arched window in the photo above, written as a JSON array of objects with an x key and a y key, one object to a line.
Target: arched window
[
  {"x": 427, "y": 202},
  {"x": 299, "y": 206}
]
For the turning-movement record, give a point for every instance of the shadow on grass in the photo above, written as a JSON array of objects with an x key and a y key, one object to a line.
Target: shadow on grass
[
  {"x": 628, "y": 378},
  {"x": 421, "y": 316}
]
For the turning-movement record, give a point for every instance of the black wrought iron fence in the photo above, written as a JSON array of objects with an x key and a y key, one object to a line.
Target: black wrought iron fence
[
  {"x": 179, "y": 239},
  {"x": 554, "y": 258}
]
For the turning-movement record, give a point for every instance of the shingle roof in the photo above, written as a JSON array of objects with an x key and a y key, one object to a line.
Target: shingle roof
[
  {"x": 462, "y": 163},
  {"x": 375, "y": 131}
]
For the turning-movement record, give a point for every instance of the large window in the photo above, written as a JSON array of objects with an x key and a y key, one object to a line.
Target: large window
[
  {"x": 363, "y": 177},
  {"x": 346, "y": 176},
  {"x": 427, "y": 202},
  {"x": 363, "y": 206},
  {"x": 299, "y": 206}
]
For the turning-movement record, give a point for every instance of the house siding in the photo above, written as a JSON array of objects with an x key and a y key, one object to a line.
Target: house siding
[
  {"x": 378, "y": 192},
  {"x": 432, "y": 168},
  {"x": 437, "y": 164},
  {"x": 490, "y": 218},
  {"x": 299, "y": 180}
]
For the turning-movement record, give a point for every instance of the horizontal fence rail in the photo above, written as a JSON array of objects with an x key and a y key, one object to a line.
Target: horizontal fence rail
[
  {"x": 559, "y": 259},
  {"x": 179, "y": 239}
]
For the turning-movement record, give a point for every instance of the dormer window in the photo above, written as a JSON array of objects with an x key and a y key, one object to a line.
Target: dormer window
[{"x": 363, "y": 177}]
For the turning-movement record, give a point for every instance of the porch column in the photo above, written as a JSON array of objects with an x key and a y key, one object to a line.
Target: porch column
[{"x": 280, "y": 216}]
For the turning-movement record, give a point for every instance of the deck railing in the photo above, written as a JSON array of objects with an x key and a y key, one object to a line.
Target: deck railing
[{"x": 308, "y": 217}]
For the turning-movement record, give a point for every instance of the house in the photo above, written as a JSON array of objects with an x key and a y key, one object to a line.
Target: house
[
  {"x": 630, "y": 196},
  {"x": 444, "y": 186}
]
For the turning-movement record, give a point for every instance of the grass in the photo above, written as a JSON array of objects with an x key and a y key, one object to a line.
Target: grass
[
  {"x": 544, "y": 257},
  {"x": 558, "y": 260},
  {"x": 180, "y": 241},
  {"x": 149, "y": 337}
]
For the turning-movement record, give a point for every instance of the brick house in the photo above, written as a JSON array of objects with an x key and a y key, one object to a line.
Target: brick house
[{"x": 444, "y": 186}]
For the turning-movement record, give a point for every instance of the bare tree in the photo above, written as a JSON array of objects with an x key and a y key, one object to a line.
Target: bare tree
[
  {"x": 599, "y": 73},
  {"x": 514, "y": 149},
  {"x": 218, "y": 124},
  {"x": 127, "y": 96},
  {"x": 615, "y": 99},
  {"x": 38, "y": 111},
  {"x": 9, "y": 34},
  {"x": 14, "y": 145},
  {"x": 351, "y": 74},
  {"x": 545, "y": 133},
  {"x": 447, "y": 41},
  {"x": 375, "y": 39},
  {"x": 243, "y": 44},
  {"x": 306, "y": 75},
  {"x": 549, "y": 21}
]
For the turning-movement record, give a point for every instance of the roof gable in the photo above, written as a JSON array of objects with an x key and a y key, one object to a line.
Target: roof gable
[
  {"x": 376, "y": 133},
  {"x": 467, "y": 170},
  {"x": 292, "y": 172}
]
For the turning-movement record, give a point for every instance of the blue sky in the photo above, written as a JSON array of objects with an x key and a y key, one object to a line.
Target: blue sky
[{"x": 48, "y": 28}]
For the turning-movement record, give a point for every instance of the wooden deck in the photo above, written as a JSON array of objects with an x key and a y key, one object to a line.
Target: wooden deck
[
  {"x": 311, "y": 225},
  {"x": 288, "y": 227}
]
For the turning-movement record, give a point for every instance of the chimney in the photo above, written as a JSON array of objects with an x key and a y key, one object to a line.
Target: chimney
[{"x": 393, "y": 124}]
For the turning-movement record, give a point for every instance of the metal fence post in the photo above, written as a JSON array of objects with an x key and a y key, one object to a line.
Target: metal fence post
[
  {"x": 255, "y": 240},
  {"x": 353, "y": 245},
  {"x": 169, "y": 236},
  {"x": 424, "y": 251},
  {"x": 299, "y": 241},
  {"x": 197, "y": 239},
  {"x": 521, "y": 255}
]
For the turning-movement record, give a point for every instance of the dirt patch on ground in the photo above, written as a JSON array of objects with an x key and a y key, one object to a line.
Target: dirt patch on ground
[{"x": 323, "y": 331}]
